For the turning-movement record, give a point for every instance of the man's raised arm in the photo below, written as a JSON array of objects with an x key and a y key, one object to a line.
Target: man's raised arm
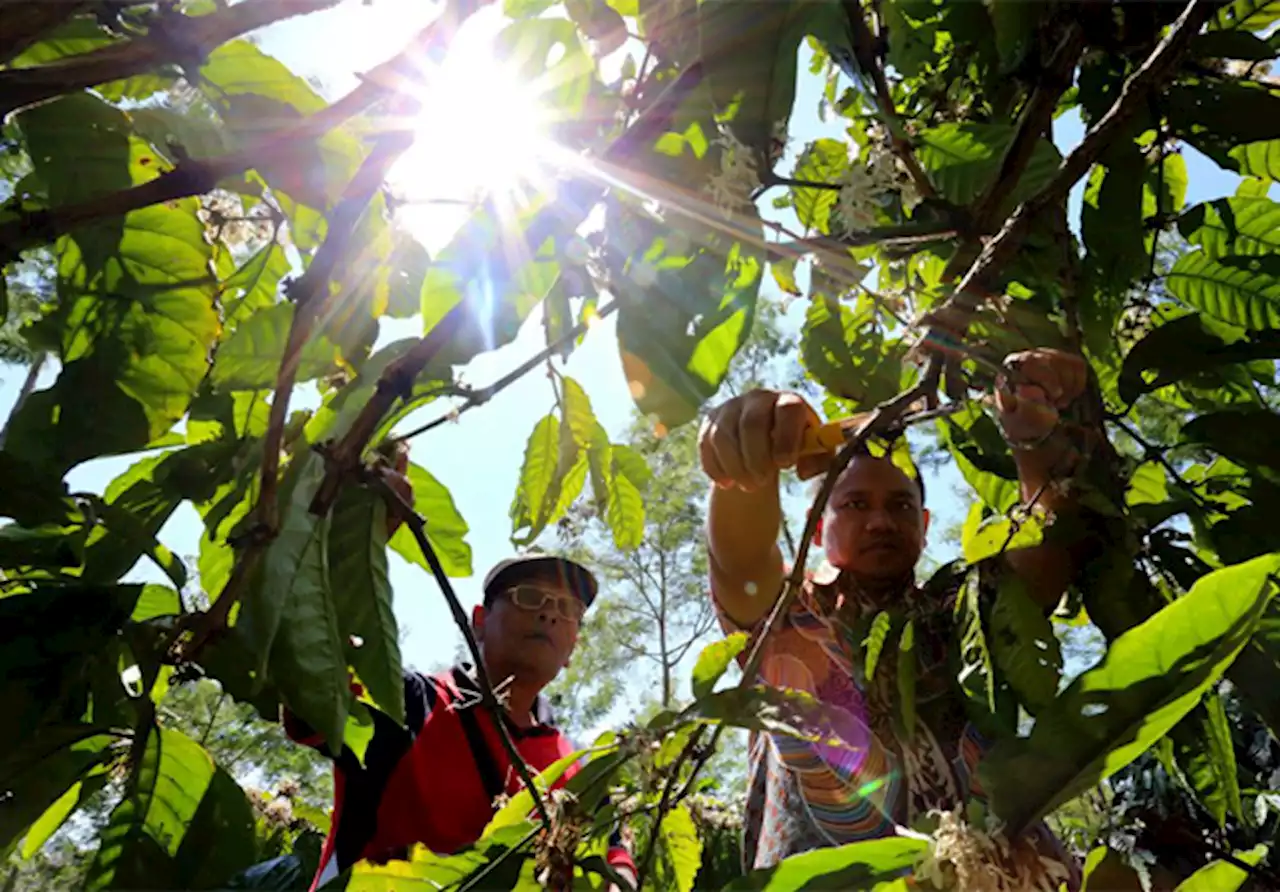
[
  {"x": 1048, "y": 382},
  {"x": 743, "y": 445}
]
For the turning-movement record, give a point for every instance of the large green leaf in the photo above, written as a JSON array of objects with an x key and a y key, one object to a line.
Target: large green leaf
[
  {"x": 823, "y": 161},
  {"x": 679, "y": 850},
  {"x": 446, "y": 530},
  {"x": 1207, "y": 756},
  {"x": 686, "y": 310},
  {"x": 1191, "y": 348},
  {"x": 57, "y": 814},
  {"x": 1111, "y": 217},
  {"x": 548, "y": 52},
  {"x": 1245, "y": 15},
  {"x": 1024, "y": 647},
  {"x": 1221, "y": 117},
  {"x": 1229, "y": 288},
  {"x": 134, "y": 335},
  {"x": 253, "y": 286},
  {"x": 42, "y": 771},
  {"x": 250, "y": 359},
  {"x": 1151, "y": 677},
  {"x": 855, "y": 866},
  {"x": 362, "y": 594},
  {"x": 1223, "y": 876},
  {"x": 846, "y": 352},
  {"x": 714, "y": 662},
  {"x": 1233, "y": 226},
  {"x": 184, "y": 823},
  {"x": 962, "y": 160},
  {"x": 624, "y": 512},
  {"x": 256, "y": 93},
  {"x": 1250, "y": 437}
]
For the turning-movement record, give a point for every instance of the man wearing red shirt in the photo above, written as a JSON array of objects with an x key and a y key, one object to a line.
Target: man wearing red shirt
[{"x": 434, "y": 781}]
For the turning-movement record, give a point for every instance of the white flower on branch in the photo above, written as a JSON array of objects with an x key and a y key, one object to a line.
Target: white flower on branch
[
  {"x": 730, "y": 188},
  {"x": 969, "y": 858}
]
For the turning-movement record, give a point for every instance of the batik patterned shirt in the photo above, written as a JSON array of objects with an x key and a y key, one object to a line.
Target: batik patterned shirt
[{"x": 888, "y": 765}]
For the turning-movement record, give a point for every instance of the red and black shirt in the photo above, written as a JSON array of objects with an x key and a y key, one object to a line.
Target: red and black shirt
[{"x": 433, "y": 781}]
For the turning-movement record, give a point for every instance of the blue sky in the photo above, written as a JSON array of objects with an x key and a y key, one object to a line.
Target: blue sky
[{"x": 479, "y": 457}]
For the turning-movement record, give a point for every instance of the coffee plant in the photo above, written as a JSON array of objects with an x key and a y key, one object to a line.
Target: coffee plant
[{"x": 216, "y": 233}]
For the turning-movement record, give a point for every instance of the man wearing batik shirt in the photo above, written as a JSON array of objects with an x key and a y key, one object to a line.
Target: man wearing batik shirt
[{"x": 804, "y": 796}]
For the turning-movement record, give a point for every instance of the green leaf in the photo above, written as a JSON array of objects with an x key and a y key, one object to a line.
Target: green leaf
[
  {"x": 962, "y": 160},
  {"x": 183, "y": 822},
  {"x": 906, "y": 679},
  {"x": 156, "y": 601},
  {"x": 714, "y": 661},
  {"x": 1233, "y": 226},
  {"x": 293, "y": 561},
  {"x": 362, "y": 595},
  {"x": 1245, "y": 15},
  {"x": 1218, "y": 116},
  {"x": 846, "y": 353},
  {"x": 307, "y": 661},
  {"x": 517, "y": 810},
  {"x": 446, "y": 530},
  {"x": 784, "y": 274},
  {"x": 539, "y": 479},
  {"x": 1222, "y": 876},
  {"x": 56, "y": 815},
  {"x": 1024, "y": 647},
  {"x": 822, "y": 161},
  {"x": 1230, "y": 45},
  {"x": 254, "y": 285},
  {"x": 1247, "y": 437},
  {"x": 78, "y": 35},
  {"x": 39, "y": 769},
  {"x": 683, "y": 319},
  {"x": 998, "y": 535},
  {"x": 255, "y": 93},
  {"x": 548, "y": 52},
  {"x": 250, "y": 359},
  {"x": 1151, "y": 677},
  {"x": 1207, "y": 755},
  {"x": 625, "y": 509},
  {"x": 761, "y": 708},
  {"x": 1227, "y": 289},
  {"x": 679, "y": 850},
  {"x": 1191, "y": 348},
  {"x": 1257, "y": 159},
  {"x": 875, "y": 641},
  {"x": 1014, "y": 22},
  {"x": 1112, "y": 219},
  {"x": 853, "y": 866}
]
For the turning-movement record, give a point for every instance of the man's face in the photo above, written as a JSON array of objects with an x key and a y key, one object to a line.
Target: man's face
[
  {"x": 874, "y": 525},
  {"x": 531, "y": 643}
]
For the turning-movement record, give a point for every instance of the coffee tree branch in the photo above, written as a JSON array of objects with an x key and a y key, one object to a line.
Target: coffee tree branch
[
  {"x": 958, "y": 309},
  {"x": 192, "y": 176},
  {"x": 174, "y": 39},
  {"x": 482, "y": 395},
  {"x": 397, "y": 504}
]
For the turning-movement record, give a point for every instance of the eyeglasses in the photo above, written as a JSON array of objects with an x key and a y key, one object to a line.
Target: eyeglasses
[{"x": 530, "y": 597}]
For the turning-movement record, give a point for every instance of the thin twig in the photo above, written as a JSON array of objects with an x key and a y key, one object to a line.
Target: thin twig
[
  {"x": 665, "y": 804},
  {"x": 28, "y": 386},
  {"x": 955, "y": 314},
  {"x": 417, "y": 525},
  {"x": 1037, "y": 114},
  {"x": 1153, "y": 452},
  {"x": 398, "y": 377},
  {"x": 482, "y": 395},
  {"x": 213, "y": 718},
  {"x": 173, "y": 39},
  {"x": 864, "y": 43}
]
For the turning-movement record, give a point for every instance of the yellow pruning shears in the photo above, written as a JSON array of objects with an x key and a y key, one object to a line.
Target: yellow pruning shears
[{"x": 829, "y": 437}]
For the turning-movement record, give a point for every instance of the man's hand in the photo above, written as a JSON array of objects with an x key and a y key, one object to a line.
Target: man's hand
[
  {"x": 1047, "y": 381},
  {"x": 746, "y": 441}
]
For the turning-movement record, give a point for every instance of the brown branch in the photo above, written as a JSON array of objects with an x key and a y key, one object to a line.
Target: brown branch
[
  {"x": 173, "y": 39},
  {"x": 198, "y": 176},
  {"x": 954, "y": 315},
  {"x": 23, "y": 24},
  {"x": 399, "y": 376},
  {"x": 482, "y": 395},
  {"x": 417, "y": 525},
  {"x": 865, "y": 55},
  {"x": 1037, "y": 115}
]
